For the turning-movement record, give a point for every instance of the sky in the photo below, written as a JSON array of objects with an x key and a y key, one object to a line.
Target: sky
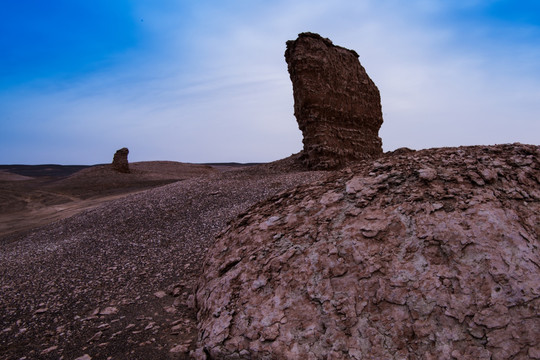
[{"x": 206, "y": 81}]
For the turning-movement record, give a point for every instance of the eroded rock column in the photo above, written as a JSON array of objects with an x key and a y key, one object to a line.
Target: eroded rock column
[
  {"x": 336, "y": 104},
  {"x": 120, "y": 160}
]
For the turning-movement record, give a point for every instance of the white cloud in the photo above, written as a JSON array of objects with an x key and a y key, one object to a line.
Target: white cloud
[{"x": 217, "y": 89}]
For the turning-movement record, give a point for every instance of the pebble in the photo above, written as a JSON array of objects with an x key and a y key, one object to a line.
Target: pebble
[{"x": 84, "y": 357}]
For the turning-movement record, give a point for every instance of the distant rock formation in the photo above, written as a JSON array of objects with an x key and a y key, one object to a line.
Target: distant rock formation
[
  {"x": 120, "y": 161},
  {"x": 433, "y": 254},
  {"x": 336, "y": 104}
]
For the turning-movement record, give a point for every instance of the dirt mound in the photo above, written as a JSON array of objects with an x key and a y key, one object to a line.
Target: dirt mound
[{"x": 431, "y": 254}]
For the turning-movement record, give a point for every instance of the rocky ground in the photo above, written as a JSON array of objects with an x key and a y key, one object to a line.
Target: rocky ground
[
  {"x": 32, "y": 196},
  {"x": 116, "y": 281},
  {"x": 433, "y": 254},
  {"x": 391, "y": 256}
]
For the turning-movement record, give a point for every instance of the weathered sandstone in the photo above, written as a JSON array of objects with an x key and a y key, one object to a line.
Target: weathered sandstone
[
  {"x": 431, "y": 254},
  {"x": 120, "y": 160},
  {"x": 336, "y": 104}
]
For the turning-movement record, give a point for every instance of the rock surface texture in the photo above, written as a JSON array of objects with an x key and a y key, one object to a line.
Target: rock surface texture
[
  {"x": 336, "y": 104},
  {"x": 431, "y": 254},
  {"x": 120, "y": 160}
]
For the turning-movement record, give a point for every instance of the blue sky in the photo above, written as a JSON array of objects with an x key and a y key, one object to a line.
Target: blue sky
[{"x": 206, "y": 81}]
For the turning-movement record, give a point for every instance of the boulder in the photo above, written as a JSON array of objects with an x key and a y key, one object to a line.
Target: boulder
[
  {"x": 336, "y": 104},
  {"x": 120, "y": 160},
  {"x": 433, "y": 254}
]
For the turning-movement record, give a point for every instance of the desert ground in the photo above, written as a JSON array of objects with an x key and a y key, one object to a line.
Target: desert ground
[
  {"x": 97, "y": 264},
  {"x": 37, "y": 195}
]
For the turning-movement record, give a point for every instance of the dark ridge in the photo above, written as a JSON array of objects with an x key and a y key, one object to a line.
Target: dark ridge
[{"x": 45, "y": 170}]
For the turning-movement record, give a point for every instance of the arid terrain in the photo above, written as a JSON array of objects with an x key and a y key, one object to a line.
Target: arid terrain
[
  {"x": 36, "y": 195},
  {"x": 127, "y": 273},
  {"x": 105, "y": 264},
  {"x": 429, "y": 254}
]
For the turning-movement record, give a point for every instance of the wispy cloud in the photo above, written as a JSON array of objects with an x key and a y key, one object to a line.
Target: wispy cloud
[{"x": 209, "y": 83}]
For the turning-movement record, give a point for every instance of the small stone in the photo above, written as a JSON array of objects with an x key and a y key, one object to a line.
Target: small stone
[
  {"x": 111, "y": 310},
  {"x": 96, "y": 337},
  {"x": 60, "y": 328},
  {"x": 170, "y": 309},
  {"x": 41, "y": 310},
  {"x": 160, "y": 294},
  {"x": 191, "y": 301},
  {"x": 437, "y": 206},
  {"x": 84, "y": 357},
  {"x": 48, "y": 350},
  {"x": 489, "y": 175},
  {"x": 180, "y": 348},
  {"x": 427, "y": 174},
  {"x": 270, "y": 333},
  {"x": 176, "y": 291}
]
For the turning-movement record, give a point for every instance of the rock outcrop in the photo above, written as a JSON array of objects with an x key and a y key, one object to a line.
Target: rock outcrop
[
  {"x": 336, "y": 104},
  {"x": 433, "y": 254},
  {"x": 120, "y": 160}
]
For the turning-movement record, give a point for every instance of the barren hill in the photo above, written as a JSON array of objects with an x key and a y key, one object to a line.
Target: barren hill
[
  {"x": 432, "y": 254},
  {"x": 115, "y": 280},
  {"x": 53, "y": 192}
]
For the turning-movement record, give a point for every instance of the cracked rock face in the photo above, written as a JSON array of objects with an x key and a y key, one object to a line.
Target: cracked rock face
[
  {"x": 120, "y": 160},
  {"x": 423, "y": 255},
  {"x": 336, "y": 104}
]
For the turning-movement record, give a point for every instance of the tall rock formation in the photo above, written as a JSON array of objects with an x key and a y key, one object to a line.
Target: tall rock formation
[
  {"x": 432, "y": 254},
  {"x": 336, "y": 104},
  {"x": 120, "y": 161}
]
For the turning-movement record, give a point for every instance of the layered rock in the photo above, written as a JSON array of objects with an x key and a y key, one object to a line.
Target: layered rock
[
  {"x": 336, "y": 104},
  {"x": 120, "y": 160},
  {"x": 432, "y": 254}
]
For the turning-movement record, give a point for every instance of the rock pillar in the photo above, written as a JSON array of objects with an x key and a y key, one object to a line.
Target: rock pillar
[
  {"x": 336, "y": 104},
  {"x": 120, "y": 160}
]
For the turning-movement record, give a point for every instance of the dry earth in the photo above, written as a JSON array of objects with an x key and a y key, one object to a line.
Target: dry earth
[
  {"x": 115, "y": 281},
  {"x": 38, "y": 195},
  {"x": 432, "y": 254}
]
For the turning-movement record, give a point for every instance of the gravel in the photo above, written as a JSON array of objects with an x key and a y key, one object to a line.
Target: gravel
[{"x": 117, "y": 282}]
